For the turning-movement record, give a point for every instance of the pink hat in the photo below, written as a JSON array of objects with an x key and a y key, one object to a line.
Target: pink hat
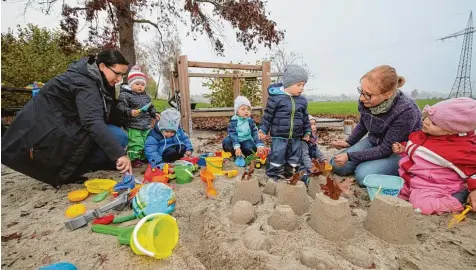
[
  {"x": 135, "y": 75},
  {"x": 457, "y": 115}
]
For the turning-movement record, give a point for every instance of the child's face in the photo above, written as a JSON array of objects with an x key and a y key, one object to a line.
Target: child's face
[
  {"x": 314, "y": 126},
  {"x": 295, "y": 89},
  {"x": 138, "y": 87},
  {"x": 244, "y": 111},
  {"x": 168, "y": 133},
  {"x": 431, "y": 129}
]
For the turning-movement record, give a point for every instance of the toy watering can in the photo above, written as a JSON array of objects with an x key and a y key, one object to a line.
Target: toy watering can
[{"x": 183, "y": 174}]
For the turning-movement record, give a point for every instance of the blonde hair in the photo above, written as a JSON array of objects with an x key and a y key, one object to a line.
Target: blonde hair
[{"x": 385, "y": 78}]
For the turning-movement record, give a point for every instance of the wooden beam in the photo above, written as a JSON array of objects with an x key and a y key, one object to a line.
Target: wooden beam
[
  {"x": 184, "y": 87},
  {"x": 266, "y": 81},
  {"x": 237, "y": 75},
  {"x": 236, "y": 85},
  {"x": 223, "y": 65},
  {"x": 222, "y": 112}
]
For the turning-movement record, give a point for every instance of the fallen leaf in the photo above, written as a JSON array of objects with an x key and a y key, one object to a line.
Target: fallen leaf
[
  {"x": 345, "y": 185},
  {"x": 11, "y": 224},
  {"x": 296, "y": 177},
  {"x": 8, "y": 237},
  {"x": 331, "y": 189}
]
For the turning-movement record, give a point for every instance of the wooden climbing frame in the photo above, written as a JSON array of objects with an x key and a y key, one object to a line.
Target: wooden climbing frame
[{"x": 180, "y": 79}]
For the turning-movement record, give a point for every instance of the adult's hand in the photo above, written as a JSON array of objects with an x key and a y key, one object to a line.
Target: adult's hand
[
  {"x": 123, "y": 164},
  {"x": 472, "y": 199},
  {"x": 341, "y": 159},
  {"x": 340, "y": 144}
]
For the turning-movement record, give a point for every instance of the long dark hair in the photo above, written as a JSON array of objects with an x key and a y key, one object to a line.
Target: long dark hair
[{"x": 109, "y": 57}]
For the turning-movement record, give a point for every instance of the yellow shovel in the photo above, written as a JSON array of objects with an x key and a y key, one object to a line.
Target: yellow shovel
[{"x": 457, "y": 218}]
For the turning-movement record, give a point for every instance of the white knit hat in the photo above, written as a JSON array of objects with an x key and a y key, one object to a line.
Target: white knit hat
[
  {"x": 240, "y": 101},
  {"x": 136, "y": 75}
]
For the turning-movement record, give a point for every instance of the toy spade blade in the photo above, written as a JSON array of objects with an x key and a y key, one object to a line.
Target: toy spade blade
[
  {"x": 459, "y": 217},
  {"x": 146, "y": 107}
]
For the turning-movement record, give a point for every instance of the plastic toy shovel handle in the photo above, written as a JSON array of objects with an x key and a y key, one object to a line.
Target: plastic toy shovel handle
[{"x": 136, "y": 229}]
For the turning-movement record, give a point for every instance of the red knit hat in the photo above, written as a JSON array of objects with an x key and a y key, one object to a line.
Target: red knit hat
[
  {"x": 456, "y": 115},
  {"x": 136, "y": 75}
]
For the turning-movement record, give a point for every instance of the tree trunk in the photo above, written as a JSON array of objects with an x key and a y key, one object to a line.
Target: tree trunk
[{"x": 126, "y": 31}]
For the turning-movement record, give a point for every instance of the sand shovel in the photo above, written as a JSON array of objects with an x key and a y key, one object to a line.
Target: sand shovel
[
  {"x": 211, "y": 191},
  {"x": 459, "y": 217}
]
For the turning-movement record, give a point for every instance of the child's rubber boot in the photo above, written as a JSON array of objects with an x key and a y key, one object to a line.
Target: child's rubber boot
[
  {"x": 305, "y": 178},
  {"x": 127, "y": 182}
]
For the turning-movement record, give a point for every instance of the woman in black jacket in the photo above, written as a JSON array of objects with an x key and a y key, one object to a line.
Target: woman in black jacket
[{"x": 70, "y": 127}]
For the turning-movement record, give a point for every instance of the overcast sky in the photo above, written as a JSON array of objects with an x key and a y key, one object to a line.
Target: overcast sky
[{"x": 339, "y": 40}]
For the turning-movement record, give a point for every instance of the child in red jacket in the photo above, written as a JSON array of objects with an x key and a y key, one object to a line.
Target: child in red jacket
[{"x": 439, "y": 162}]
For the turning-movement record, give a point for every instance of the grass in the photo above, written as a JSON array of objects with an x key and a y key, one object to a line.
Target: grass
[{"x": 315, "y": 107}]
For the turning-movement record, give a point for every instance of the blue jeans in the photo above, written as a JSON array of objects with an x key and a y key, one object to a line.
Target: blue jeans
[
  {"x": 386, "y": 166},
  {"x": 99, "y": 159},
  {"x": 247, "y": 147}
]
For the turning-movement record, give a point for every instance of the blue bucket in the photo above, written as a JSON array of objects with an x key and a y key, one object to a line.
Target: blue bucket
[{"x": 391, "y": 185}]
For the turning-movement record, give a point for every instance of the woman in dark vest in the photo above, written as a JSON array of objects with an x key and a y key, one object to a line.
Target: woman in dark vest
[{"x": 71, "y": 126}]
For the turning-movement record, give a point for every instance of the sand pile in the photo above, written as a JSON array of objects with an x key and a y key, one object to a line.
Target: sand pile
[{"x": 33, "y": 234}]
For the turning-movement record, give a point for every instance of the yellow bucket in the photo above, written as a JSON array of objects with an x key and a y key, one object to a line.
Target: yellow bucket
[
  {"x": 156, "y": 238},
  {"x": 214, "y": 164}
]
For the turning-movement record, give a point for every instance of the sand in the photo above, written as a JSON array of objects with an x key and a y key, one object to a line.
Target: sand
[{"x": 33, "y": 216}]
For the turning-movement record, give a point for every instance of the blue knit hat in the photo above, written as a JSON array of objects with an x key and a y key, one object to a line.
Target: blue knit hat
[{"x": 293, "y": 74}]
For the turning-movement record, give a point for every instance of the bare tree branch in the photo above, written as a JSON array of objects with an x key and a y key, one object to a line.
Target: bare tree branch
[{"x": 154, "y": 25}]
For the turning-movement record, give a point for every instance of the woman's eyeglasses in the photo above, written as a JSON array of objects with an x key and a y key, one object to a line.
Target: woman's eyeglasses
[
  {"x": 362, "y": 93},
  {"x": 118, "y": 74}
]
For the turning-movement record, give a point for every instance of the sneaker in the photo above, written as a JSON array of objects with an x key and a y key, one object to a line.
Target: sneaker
[{"x": 136, "y": 164}]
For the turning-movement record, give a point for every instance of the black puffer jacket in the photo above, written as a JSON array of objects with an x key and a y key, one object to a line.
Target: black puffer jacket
[
  {"x": 285, "y": 116},
  {"x": 130, "y": 100},
  {"x": 53, "y": 137}
]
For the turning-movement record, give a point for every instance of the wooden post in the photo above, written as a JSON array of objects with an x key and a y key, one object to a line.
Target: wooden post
[
  {"x": 236, "y": 84},
  {"x": 183, "y": 83},
  {"x": 266, "y": 81}
]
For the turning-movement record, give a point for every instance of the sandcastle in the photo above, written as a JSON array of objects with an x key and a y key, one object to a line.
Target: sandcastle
[
  {"x": 314, "y": 186},
  {"x": 247, "y": 190},
  {"x": 242, "y": 212},
  {"x": 283, "y": 218},
  {"x": 293, "y": 195},
  {"x": 331, "y": 218},
  {"x": 391, "y": 219}
]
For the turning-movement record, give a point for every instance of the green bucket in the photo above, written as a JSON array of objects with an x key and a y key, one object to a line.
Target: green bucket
[{"x": 183, "y": 175}]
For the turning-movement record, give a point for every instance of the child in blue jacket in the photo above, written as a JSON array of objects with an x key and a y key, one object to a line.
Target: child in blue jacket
[
  {"x": 167, "y": 142},
  {"x": 287, "y": 120},
  {"x": 242, "y": 137}
]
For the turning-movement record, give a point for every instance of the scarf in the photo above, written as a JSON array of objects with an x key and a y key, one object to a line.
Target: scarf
[{"x": 384, "y": 106}]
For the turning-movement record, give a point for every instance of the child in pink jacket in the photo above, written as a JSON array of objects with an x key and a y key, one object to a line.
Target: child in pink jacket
[{"x": 439, "y": 162}]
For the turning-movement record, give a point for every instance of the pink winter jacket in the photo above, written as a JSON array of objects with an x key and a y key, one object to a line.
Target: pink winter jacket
[{"x": 434, "y": 168}]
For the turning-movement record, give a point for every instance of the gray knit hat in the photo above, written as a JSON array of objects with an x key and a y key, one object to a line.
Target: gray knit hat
[
  {"x": 169, "y": 120},
  {"x": 294, "y": 74}
]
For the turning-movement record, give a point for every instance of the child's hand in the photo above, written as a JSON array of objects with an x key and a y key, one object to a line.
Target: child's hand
[
  {"x": 307, "y": 137},
  {"x": 472, "y": 200},
  {"x": 238, "y": 152},
  {"x": 261, "y": 135},
  {"x": 341, "y": 159},
  {"x": 157, "y": 116},
  {"x": 398, "y": 148},
  {"x": 260, "y": 150},
  {"x": 188, "y": 153},
  {"x": 135, "y": 113}
]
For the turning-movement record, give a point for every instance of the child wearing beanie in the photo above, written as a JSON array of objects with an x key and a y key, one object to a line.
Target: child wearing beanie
[
  {"x": 439, "y": 162},
  {"x": 137, "y": 111},
  {"x": 242, "y": 139},
  {"x": 167, "y": 142},
  {"x": 287, "y": 120}
]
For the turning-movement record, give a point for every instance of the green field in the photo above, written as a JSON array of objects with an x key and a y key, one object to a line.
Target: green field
[{"x": 315, "y": 107}]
